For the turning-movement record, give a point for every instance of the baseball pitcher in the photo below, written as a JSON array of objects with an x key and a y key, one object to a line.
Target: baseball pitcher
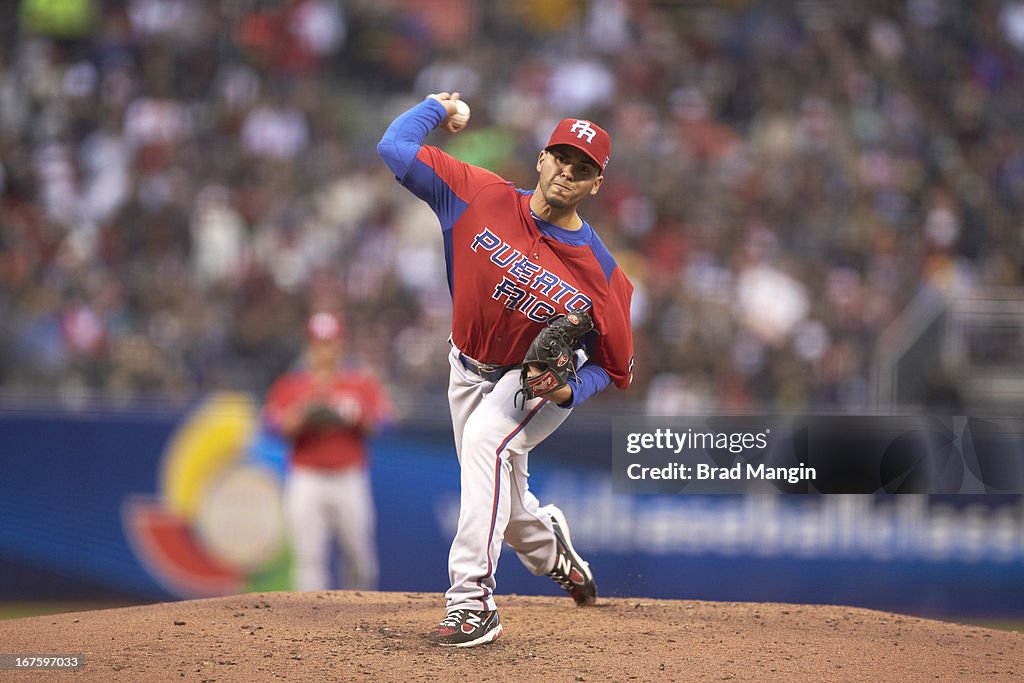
[{"x": 540, "y": 323}]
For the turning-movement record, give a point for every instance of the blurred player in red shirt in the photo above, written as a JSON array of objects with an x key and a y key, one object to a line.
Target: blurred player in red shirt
[{"x": 325, "y": 412}]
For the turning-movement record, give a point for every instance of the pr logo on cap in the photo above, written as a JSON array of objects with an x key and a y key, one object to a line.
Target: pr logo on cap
[{"x": 583, "y": 129}]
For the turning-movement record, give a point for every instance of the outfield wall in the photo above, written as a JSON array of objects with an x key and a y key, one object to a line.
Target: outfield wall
[{"x": 162, "y": 504}]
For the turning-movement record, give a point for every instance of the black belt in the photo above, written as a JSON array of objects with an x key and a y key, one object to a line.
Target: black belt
[{"x": 490, "y": 373}]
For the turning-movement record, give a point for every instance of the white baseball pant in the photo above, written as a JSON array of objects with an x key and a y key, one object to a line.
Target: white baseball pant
[
  {"x": 493, "y": 439},
  {"x": 320, "y": 504}
]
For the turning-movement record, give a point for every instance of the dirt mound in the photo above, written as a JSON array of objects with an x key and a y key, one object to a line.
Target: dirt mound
[{"x": 351, "y": 636}]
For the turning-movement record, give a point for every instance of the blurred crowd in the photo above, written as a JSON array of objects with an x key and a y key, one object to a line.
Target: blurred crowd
[{"x": 183, "y": 181}]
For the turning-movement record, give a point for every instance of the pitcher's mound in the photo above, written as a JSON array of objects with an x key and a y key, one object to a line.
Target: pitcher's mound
[{"x": 352, "y": 636}]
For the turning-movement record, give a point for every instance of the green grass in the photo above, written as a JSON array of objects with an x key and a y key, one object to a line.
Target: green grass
[
  {"x": 16, "y": 610},
  {"x": 999, "y": 624}
]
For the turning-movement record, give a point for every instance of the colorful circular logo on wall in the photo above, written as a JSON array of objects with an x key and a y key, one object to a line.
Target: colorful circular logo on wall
[{"x": 215, "y": 525}]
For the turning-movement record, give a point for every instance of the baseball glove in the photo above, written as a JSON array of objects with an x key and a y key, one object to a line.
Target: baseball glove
[
  {"x": 320, "y": 416},
  {"x": 552, "y": 352}
]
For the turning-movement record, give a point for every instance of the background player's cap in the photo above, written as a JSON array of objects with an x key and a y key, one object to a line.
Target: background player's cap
[
  {"x": 324, "y": 327},
  {"x": 585, "y": 136}
]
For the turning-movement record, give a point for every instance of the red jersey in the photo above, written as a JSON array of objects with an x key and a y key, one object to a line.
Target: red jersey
[
  {"x": 509, "y": 271},
  {"x": 350, "y": 393}
]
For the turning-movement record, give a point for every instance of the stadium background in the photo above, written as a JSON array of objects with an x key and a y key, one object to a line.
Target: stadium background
[{"x": 819, "y": 206}]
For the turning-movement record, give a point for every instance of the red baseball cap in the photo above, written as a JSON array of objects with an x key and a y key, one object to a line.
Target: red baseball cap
[
  {"x": 586, "y": 136},
  {"x": 324, "y": 327}
]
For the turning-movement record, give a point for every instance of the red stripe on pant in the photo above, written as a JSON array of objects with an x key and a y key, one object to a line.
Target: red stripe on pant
[{"x": 494, "y": 504}]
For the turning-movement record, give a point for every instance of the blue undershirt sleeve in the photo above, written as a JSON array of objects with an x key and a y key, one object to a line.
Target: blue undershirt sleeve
[
  {"x": 592, "y": 380},
  {"x": 404, "y": 137}
]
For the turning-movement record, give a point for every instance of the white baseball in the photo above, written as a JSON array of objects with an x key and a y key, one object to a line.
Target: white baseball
[{"x": 461, "y": 116}]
